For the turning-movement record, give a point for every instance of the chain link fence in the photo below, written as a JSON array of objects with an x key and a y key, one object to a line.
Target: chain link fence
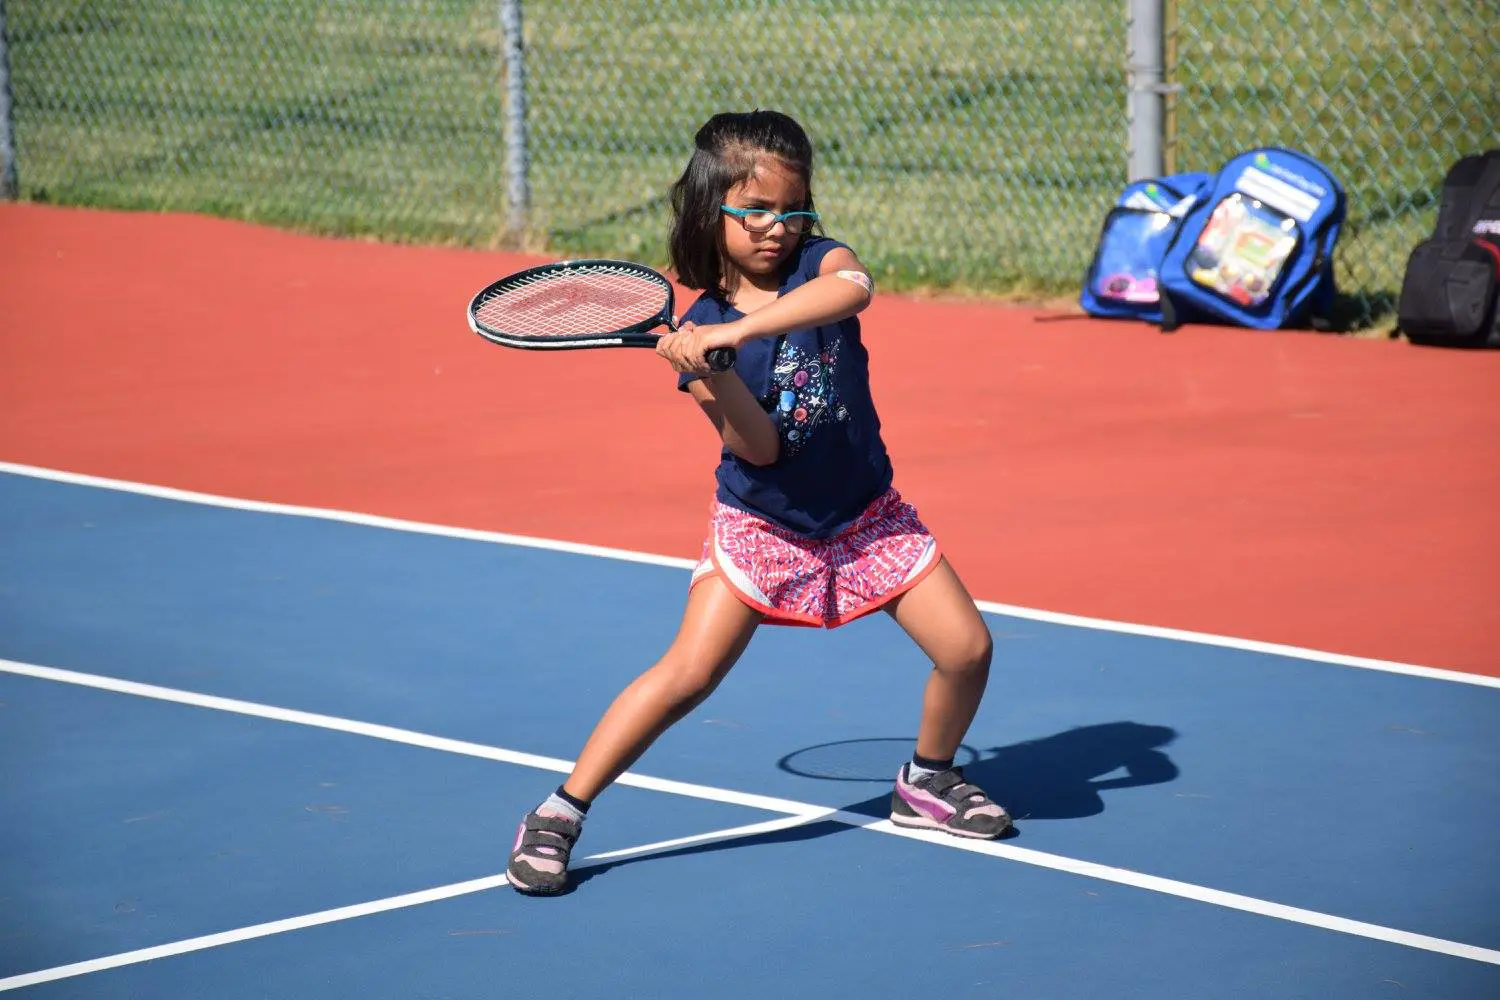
[
  {"x": 1386, "y": 93},
  {"x": 969, "y": 145}
]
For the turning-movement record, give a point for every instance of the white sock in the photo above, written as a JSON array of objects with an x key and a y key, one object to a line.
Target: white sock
[
  {"x": 563, "y": 807},
  {"x": 915, "y": 770}
]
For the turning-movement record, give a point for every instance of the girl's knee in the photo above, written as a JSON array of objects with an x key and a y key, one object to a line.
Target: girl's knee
[
  {"x": 969, "y": 654},
  {"x": 690, "y": 679}
]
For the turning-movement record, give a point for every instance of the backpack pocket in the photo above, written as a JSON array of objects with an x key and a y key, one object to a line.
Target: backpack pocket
[
  {"x": 1131, "y": 245},
  {"x": 1242, "y": 252}
]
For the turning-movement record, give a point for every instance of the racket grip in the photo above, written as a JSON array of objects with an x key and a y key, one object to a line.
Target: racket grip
[{"x": 721, "y": 359}]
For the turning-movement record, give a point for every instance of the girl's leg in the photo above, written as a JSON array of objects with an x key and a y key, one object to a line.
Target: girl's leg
[
  {"x": 941, "y": 618},
  {"x": 716, "y": 627}
]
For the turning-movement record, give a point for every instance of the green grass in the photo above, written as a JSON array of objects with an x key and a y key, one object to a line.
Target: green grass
[{"x": 965, "y": 145}]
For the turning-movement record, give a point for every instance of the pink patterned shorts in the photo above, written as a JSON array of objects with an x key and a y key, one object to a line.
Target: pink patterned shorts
[{"x": 819, "y": 582}]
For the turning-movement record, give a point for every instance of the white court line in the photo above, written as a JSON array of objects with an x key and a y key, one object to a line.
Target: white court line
[
  {"x": 248, "y": 933},
  {"x": 441, "y": 892},
  {"x": 394, "y": 735},
  {"x": 375, "y": 906},
  {"x": 523, "y": 541},
  {"x": 794, "y": 814}
]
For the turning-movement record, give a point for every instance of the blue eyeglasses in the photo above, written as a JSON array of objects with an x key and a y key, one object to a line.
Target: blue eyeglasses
[{"x": 763, "y": 220}]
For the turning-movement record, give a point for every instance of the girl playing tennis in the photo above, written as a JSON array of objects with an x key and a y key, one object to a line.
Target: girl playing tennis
[{"x": 806, "y": 528}]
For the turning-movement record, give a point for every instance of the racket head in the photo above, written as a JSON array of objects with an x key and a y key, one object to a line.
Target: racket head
[{"x": 574, "y": 304}]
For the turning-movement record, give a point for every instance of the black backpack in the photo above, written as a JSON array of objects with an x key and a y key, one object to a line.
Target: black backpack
[{"x": 1452, "y": 281}]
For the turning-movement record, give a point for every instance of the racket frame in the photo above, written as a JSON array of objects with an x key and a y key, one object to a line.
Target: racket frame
[{"x": 636, "y": 335}]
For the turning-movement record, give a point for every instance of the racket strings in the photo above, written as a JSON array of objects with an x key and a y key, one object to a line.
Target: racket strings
[{"x": 573, "y": 302}]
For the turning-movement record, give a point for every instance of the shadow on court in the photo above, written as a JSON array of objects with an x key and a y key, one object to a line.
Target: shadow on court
[
  {"x": 1056, "y": 777},
  {"x": 1062, "y": 776}
]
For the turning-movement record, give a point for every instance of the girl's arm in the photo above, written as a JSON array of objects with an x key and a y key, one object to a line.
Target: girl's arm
[
  {"x": 842, "y": 288},
  {"x": 746, "y": 429}
]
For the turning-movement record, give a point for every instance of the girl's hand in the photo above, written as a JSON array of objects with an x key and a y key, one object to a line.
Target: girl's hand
[{"x": 687, "y": 346}]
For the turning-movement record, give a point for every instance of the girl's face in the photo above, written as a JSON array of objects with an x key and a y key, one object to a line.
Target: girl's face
[{"x": 758, "y": 257}]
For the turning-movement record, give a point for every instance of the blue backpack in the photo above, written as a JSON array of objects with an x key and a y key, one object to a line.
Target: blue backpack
[
  {"x": 1251, "y": 245},
  {"x": 1123, "y": 280},
  {"x": 1256, "y": 249}
]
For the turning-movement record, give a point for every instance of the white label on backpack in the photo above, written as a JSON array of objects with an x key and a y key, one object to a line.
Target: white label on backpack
[
  {"x": 1142, "y": 201},
  {"x": 1277, "y": 193},
  {"x": 1180, "y": 209}
]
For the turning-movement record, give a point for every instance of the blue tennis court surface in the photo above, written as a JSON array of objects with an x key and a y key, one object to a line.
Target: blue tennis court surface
[{"x": 255, "y": 754}]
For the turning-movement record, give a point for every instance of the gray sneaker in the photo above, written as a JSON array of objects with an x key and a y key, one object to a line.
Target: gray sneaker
[
  {"x": 945, "y": 801},
  {"x": 539, "y": 858}
]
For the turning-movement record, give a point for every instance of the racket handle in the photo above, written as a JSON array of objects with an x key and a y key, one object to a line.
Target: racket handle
[{"x": 721, "y": 359}]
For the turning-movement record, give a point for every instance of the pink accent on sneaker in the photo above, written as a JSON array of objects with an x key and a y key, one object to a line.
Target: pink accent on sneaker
[
  {"x": 925, "y": 802},
  {"x": 541, "y": 864}
]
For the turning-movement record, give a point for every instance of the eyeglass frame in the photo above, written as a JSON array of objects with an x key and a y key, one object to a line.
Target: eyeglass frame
[{"x": 740, "y": 213}]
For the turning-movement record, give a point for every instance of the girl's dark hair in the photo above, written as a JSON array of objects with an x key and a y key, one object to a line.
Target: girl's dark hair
[{"x": 728, "y": 147}]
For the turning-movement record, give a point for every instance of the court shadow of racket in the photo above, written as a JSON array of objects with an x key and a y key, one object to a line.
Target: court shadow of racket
[
  {"x": 1056, "y": 777},
  {"x": 1061, "y": 776}
]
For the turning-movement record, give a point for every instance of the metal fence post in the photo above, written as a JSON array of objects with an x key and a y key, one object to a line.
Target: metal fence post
[
  {"x": 1172, "y": 89},
  {"x": 1145, "y": 91},
  {"x": 517, "y": 155},
  {"x": 9, "y": 186}
]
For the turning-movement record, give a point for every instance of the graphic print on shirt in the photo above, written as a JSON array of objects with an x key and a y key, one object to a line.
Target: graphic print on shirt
[{"x": 805, "y": 394}]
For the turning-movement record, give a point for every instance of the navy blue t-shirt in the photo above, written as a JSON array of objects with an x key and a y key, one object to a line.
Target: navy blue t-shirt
[{"x": 815, "y": 383}]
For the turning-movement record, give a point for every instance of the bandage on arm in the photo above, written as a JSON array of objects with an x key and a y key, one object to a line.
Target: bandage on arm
[{"x": 860, "y": 278}]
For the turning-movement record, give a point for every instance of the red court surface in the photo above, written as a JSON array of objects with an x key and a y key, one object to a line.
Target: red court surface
[{"x": 1320, "y": 491}]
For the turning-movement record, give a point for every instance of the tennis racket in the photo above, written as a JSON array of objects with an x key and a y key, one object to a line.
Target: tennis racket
[{"x": 580, "y": 304}]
